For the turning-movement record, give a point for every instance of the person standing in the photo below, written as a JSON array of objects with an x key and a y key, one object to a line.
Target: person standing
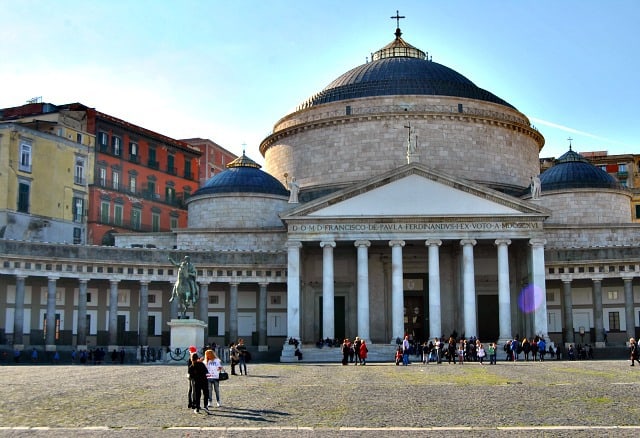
[
  {"x": 633, "y": 351},
  {"x": 356, "y": 350},
  {"x": 214, "y": 366},
  {"x": 481, "y": 353},
  {"x": 405, "y": 351},
  {"x": 198, "y": 373},
  {"x": 234, "y": 358},
  {"x": 345, "y": 349},
  {"x": 242, "y": 353},
  {"x": 363, "y": 352},
  {"x": 492, "y": 353}
]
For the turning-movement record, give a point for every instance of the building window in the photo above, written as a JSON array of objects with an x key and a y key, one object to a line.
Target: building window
[
  {"x": 117, "y": 215},
  {"x": 78, "y": 176},
  {"x": 170, "y": 194},
  {"x": 152, "y": 158},
  {"x": 135, "y": 219},
  {"x": 212, "y": 329},
  {"x": 174, "y": 223},
  {"x": 155, "y": 222},
  {"x": 637, "y": 211},
  {"x": 612, "y": 295},
  {"x": 25, "y": 156},
  {"x": 171, "y": 164},
  {"x": 57, "y": 327},
  {"x": 622, "y": 167},
  {"x": 614, "y": 321},
  {"x": 116, "y": 146},
  {"x": 213, "y": 299},
  {"x": 102, "y": 176},
  {"x": 187, "y": 168},
  {"x": 151, "y": 299},
  {"x": 151, "y": 325},
  {"x": 133, "y": 184},
  {"x": 78, "y": 138},
  {"x": 104, "y": 212},
  {"x": 78, "y": 209},
  {"x": 103, "y": 141},
  {"x": 23, "y": 196},
  {"x": 77, "y": 236},
  {"x": 116, "y": 179},
  {"x": 133, "y": 152}
]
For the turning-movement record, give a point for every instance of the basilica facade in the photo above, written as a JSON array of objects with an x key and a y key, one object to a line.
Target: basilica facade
[{"x": 401, "y": 199}]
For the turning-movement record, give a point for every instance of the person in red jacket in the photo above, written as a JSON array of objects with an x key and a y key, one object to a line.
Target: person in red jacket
[{"x": 363, "y": 352}]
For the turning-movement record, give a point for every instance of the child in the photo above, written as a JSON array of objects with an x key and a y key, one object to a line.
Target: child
[{"x": 398, "y": 355}]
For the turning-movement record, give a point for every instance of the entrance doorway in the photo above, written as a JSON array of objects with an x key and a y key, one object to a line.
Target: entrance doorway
[
  {"x": 488, "y": 324},
  {"x": 339, "y": 315},
  {"x": 416, "y": 307}
]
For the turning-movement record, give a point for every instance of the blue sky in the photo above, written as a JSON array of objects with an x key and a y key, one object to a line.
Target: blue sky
[{"x": 228, "y": 70}]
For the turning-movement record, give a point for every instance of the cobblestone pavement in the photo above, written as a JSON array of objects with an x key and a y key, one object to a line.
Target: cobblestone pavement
[{"x": 586, "y": 398}]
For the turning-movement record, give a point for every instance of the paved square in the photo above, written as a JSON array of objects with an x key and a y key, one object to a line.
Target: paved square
[{"x": 589, "y": 398}]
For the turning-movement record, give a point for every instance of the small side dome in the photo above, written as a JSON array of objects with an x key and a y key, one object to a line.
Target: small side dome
[
  {"x": 243, "y": 175},
  {"x": 573, "y": 171}
]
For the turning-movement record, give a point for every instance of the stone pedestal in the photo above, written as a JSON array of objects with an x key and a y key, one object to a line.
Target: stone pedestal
[{"x": 186, "y": 332}]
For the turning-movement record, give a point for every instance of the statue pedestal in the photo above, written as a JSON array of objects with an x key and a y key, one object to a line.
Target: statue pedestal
[{"x": 184, "y": 333}]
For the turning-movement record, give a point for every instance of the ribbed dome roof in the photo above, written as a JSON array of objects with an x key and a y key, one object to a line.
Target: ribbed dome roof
[
  {"x": 243, "y": 175},
  {"x": 572, "y": 171},
  {"x": 400, "y": 69}
]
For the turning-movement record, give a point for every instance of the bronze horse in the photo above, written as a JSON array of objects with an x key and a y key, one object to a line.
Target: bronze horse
[{"x": 185, "y": 288}]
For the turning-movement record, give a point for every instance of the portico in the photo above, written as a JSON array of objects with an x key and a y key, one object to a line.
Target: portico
[{"x": 369, "y": 244}]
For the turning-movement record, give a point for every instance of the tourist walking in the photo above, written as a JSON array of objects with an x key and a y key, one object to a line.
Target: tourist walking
[{"x": 633, "y": 351}]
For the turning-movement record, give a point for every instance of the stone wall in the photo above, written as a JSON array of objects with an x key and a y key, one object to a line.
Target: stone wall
[
  {"x": 323, "y": 146},
  {"x": 236, "y": 210},
  {"x": 239, "y": 240},
  {"x": 595, "y": 236},
  {"x": 587, "y": 206}
]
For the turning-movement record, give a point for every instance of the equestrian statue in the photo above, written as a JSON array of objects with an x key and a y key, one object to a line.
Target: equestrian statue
[{"x": 185, "y": 288}]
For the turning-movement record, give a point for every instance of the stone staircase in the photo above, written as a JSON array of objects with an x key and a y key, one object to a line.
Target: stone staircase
[{"x": 313, "y": 354}]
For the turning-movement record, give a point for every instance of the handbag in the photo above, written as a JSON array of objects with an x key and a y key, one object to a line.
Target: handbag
[{"x": 223, "y": 375}]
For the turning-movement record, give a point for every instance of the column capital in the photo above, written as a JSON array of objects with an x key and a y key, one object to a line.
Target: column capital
[
  {"x": 471, "y": 242},
  {"x": 234, "y": 283},
  {"x": 597, "y": 279},
  {"x": 328, "y": 243},
  {"x": 204, "y": 282},
  {"x": 537, "y": 242},
  {"x": 627, "y": 277},
  {"x": 144, "y": 282},
  {"x": 263, "y": 283},
  {"x": 293, "y": 244},
  {"x": 499, "y": 242},
  {"x": 53, "y": 278},
  {"x": 362, "y": 243},
  {"x": 114, "y": 281},
  {"x": 432, "y": 242},
  {"x": 21, "y": 277},
  {"x": 84, "y": 281},
  {"x": 396, "y": 243},
  {"x": 566, "y": 278}
]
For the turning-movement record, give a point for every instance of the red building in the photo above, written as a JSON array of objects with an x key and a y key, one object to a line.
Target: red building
[
  {"x": 141, "y": 180},
  {"x": 214, "y": 157}
]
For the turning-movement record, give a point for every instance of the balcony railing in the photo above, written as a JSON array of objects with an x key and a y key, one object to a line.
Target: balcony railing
[
  {"x": 153, "y": 164},
  {"x": 176, "y": 200},
  {"x": 129, "y": 225}
]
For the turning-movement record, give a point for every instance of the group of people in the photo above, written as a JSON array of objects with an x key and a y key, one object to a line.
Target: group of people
[
  {"x": 536, "y": 348},
  {"x": 204, "y": 379},
  {"x": 354, "y": 352},
  {"x": 452, "y": 350}
]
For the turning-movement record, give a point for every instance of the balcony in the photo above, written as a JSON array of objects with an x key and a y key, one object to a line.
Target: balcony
[
  {"x": 622, "y": 174},
  {"x": 153, "y": 164},
  {"x": 172, "y": 170},
  {"x": 177, "y": 201},
  {"x": 134, "y": 159}
]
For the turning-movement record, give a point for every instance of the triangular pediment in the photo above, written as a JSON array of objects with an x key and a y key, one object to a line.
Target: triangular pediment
[{"x": 412, "y": 191}]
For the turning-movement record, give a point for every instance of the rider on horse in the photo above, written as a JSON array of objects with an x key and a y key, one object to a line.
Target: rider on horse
[{"x": 185, "y": 286}]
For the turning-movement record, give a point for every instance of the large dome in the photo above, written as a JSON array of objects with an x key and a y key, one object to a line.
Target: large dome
[
  {"x": 400, "y": 69},
  {"x": 573, "y": 171},
  {"x": 243, "y": 175}
]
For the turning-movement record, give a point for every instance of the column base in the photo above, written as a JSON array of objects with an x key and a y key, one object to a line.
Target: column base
[
  {"x": 263, "y": 348},
  {"x": 49, "y": 347},
  {"x": 19, "y": 347},
  {"x": 601, "y": 344},
  {"x": 82, "y": 348}
]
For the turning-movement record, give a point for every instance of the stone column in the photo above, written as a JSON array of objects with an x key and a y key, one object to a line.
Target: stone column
[
  {"x": 203, "y": 303},
  {"x": 628, "y": 307},
  {"x": 293, "y": 290},
  {"x": 598, "y": 323},
  {"x": 143, "y": 321},
  {"x": 262, "y": 318},
  {"x": 50, "y": 340},
  {"x": 81, "y": 336},
  {"x": 567, "y": 310},
  {"x": 504, "y": 291},
  {"x": 328, "y": 310},
  {"x": 113, "y": 315},
  {"x": 435, "y": 307},
  {"x": 18, "y": 318},
  {"x": 233, "y": 311},
  {"x": 397, "y": 290},
  {"x": 469, "y": 288},
  {"x": 540, "y": 326},
  {"x": 363, "y": 289}
]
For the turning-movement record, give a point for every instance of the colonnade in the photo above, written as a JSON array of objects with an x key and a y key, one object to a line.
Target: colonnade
[
  {"x": 397, "y": 292},
  {"x": 143, "y": 335}
]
